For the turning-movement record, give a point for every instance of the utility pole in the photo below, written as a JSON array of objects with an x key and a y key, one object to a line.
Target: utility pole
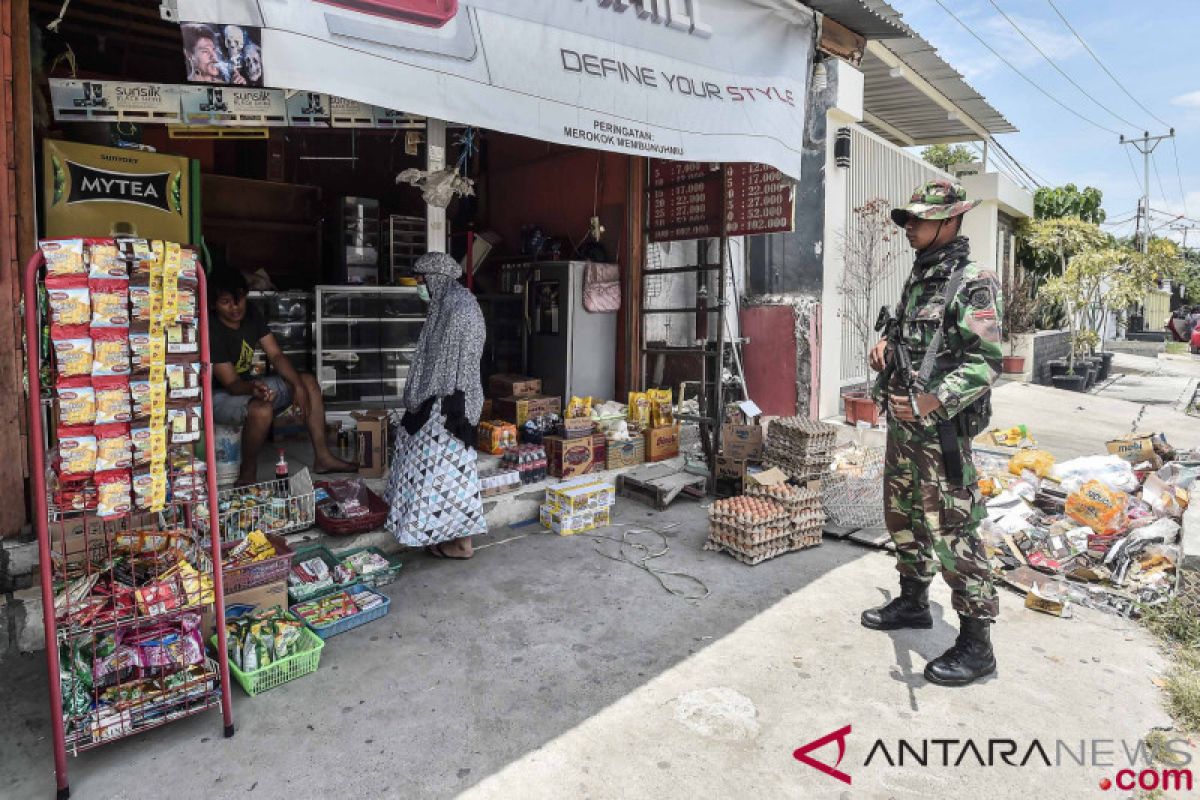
[{"x": 1145, "y": 146}]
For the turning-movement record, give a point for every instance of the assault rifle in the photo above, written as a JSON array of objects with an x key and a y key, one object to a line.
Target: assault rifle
[{"x": 897, "y": 360}]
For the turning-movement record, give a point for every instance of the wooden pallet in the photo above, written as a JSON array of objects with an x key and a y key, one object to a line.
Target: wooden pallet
[{"x": 658, "y": 485}]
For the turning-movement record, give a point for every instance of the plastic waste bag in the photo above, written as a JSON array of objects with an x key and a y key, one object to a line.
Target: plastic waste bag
[{"x": 1112, "y": 471}]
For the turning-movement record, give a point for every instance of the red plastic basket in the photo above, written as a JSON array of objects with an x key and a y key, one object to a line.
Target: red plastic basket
[
  {"x": 376, "y": 516},
  {"x": 271, "y": 569}
]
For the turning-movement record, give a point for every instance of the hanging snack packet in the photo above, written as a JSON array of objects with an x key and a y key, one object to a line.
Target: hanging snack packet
[
  {"x": 146, "y": 349},
  {"x": 186, "y": 303},
  {"x": 182, "y": 339},
  {"x": 183, "y": 424},
  {"x": 114, "y": 450},
  {"x": 112, "y": 400},
  {"x": 72, "y": 350},
  {"x": 639, "y": 410},
  {"x": 76, "y": 402},
  {"x": 139, "y": 296},
  {"x": 140, "y": 396},
  {"x": 63, "y": 257},
  {"x": 189, "y": 265},
  {"x": 111, "y": 347},
  {"x": 110, "y": 302},
  {"x": 183, "y": 380},
  {"x": 70, "y": 302},
  {"x": 113, "y": 492},
  {"x": 662, "y": 411},
  {"x": 76, "y": 452},
  {"x": 104, "y": 259},
  {"x": 139, "y": 435}
]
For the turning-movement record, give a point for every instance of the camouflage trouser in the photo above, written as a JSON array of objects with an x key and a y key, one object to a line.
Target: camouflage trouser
[{"x": 934, "y": 523}]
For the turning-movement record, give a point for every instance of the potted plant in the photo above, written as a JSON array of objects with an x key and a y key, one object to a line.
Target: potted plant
[
  {"x": 1020, "y": 306},
  {"x": 869, "y": 248}
]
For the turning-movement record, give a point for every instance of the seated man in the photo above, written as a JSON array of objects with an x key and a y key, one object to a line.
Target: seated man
[{"x": 239, "y": 397}]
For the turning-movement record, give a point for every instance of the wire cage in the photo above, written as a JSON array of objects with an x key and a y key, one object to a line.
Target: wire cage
[
  {"x": 128, "y": 576},
  {"x": 282, "y": 506},
  {"x": 853, "y": 492}
]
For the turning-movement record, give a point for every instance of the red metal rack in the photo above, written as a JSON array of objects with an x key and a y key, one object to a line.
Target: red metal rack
[{"x": 78, "y": 548}]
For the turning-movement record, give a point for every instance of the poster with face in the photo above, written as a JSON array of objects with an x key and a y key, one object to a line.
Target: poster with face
[{"x": 216, "y": 53}]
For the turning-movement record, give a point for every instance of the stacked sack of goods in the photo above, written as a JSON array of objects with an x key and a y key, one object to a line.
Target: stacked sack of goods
[
  {"x": 801, "y": 447},
  {"x": 767, "y": 521}
]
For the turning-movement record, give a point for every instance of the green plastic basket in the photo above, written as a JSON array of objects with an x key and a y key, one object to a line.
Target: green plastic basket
[
  {"x": 304, "y": 661},
  {"x": 301, "y": 593},
  {"x": 375, "y": 579}
]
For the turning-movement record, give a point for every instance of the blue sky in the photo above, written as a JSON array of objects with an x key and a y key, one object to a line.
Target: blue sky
[{"x": 1152, "y": 47}]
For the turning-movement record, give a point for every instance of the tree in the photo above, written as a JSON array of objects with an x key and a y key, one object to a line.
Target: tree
[
  {"x": 1053, "y": 242},
  {"x": 868, "y": 260},
  {"x": 943, "y": 156},
  {"x": 1057, "y": 202}
]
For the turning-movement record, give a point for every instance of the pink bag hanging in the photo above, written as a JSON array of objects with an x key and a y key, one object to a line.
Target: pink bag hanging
[{"x": 601, "y": 288}]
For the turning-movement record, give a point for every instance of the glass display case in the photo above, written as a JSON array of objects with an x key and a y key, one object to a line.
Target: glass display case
[
  {"x": 289, "y": 315},
  {"x": 366, "y": 337}
]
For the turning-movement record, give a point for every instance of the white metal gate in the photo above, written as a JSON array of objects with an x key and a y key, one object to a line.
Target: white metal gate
[{"x": 878, "y": 169}]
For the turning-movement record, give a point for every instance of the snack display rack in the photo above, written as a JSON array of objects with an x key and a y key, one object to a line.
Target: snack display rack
[{"x": 124, "y": 589}]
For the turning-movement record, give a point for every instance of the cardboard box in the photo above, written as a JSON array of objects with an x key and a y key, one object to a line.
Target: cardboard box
[
  {"x": 625, "y": 453},
  {"x": 599, "y": 452},
  {"x": 518, "y": 410},
  {"x": 494, "y": 434},
  {"x": 1134, "y": 449},
  {"x": 742, "y": 442},
  {"x": 576, "y": 499},
  {"x": 662, "y": 443},
  {"x": 247, "y": 600},
  {"x": 569, "y": 524},
  {"x": 514, "y": 386},
  {"x": 371, "y": 432},
  {"x": 569, "y": 458}
]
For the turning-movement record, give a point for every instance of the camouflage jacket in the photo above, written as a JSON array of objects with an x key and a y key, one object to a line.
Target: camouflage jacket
[{"x": 970, "y": 357}]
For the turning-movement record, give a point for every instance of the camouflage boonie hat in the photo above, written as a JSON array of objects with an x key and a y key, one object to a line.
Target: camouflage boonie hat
[{"x": 940, "y": 199}]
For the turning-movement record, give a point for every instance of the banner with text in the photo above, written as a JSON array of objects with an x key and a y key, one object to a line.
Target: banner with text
[{"x": 694, "y": 80}]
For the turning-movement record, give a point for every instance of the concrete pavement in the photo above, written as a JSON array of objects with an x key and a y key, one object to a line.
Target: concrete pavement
[{"x": 542, "y": 669}]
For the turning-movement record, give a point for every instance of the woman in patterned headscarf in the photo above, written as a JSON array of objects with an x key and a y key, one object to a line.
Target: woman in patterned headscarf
[{"x": 433, "y": 489}]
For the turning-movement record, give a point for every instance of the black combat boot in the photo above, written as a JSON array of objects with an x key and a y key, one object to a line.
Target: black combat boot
[
  {"x": 909, "y": 610},
  {"x": 969, "y": 659}
]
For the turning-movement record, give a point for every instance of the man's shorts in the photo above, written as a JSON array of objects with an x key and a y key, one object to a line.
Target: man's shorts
[{"x": 231, "y": 409}]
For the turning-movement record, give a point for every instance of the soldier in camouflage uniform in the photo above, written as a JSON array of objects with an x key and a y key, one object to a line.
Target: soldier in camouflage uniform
[{"x": 932, "y": 503}]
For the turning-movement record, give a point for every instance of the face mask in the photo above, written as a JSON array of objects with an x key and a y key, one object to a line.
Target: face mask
[{"x": 423, "y": 292}]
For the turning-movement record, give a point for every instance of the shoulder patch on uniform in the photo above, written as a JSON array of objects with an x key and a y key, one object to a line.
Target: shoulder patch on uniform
[{"x": 981, "y": 297}]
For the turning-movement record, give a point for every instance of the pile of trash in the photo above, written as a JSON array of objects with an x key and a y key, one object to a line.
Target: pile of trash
[{"x": 1102, "y": 531}]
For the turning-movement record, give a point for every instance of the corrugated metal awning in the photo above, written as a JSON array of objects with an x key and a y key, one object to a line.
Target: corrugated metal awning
[
  {"x": 897, "y": 109},
  {"x": 861, "y": 18}
]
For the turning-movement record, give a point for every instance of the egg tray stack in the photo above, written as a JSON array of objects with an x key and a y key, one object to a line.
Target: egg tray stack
[
  {"x": 751, "y": 529},
  {"x": 799, "y": 446},
  {"x": 805, "y": 512}
]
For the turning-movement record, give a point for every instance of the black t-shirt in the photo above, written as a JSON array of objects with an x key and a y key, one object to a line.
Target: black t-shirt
[{"x": 236, "y": 345}]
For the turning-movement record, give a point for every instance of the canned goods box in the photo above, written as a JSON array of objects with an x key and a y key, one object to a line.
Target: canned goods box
[
  {"x": 575, "y": 497},
  {"x": 568, "y": 524}
]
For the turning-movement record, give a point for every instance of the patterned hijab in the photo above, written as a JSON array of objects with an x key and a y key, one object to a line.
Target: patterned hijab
[{"x": 451, "y": 342}]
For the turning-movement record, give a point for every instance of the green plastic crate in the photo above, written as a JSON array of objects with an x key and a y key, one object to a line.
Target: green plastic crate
[
  {"x": 304, "y": 661},
  {"x": 375, "y": 579},
  {"x": 301, "y": 593}
]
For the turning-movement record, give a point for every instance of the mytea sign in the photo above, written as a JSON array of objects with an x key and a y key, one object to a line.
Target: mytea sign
[
  {"x": 695, "y": 80},
  {"x": 90, "y": 191}
]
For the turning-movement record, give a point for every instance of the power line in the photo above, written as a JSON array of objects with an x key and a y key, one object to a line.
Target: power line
[
  {"x": 1179, "y": 175},
  {"x": 1023, "y": 76},
  {"x": 1057, "y": 68},
  {"x": 1029, "y": 173},
  {"x": 1108, "y": 72}
]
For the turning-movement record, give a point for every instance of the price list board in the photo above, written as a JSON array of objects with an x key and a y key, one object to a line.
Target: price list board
[{"x": 686, "y": 200}]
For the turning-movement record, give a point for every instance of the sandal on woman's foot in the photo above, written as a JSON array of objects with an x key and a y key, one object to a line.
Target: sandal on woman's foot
[{"x": 436, "y": 551}]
